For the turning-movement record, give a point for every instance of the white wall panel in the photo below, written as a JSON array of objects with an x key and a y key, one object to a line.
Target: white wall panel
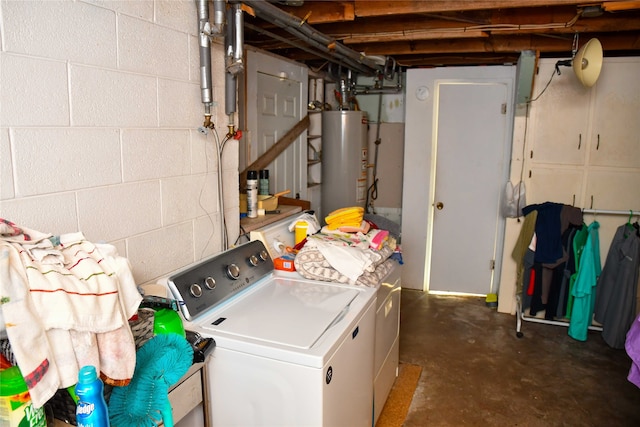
[
  {"x": 116, "y": 212},
  {"x": 53, "y": 153},
  {"x": 33, "y": 91},
  {"x": 172, "y": 60},
  {"x": 155, "y": 153},
  {"x": 73, "y": 31},
  {"x": 160, "y": 252},
  {"x": 6, "y": 171},
  {"x": 110, "y": 98}
]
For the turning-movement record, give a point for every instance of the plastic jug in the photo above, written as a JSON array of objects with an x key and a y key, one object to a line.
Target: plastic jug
[{"x": 15, "y": 403}]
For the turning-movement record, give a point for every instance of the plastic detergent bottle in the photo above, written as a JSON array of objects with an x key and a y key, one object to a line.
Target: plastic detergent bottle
[
  {"x": 16, "y": 409},
  {"x": 91, "y": 410}
]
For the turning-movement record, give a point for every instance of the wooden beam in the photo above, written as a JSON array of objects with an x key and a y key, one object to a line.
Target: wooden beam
[
  {"x": 318, "y": 12},
  {"x": 616, "y": 6},
  {"x": 500, "y": 44},
  {"x": 275, "y": 150},
  {"x": 380, "y": 8},
  {"x": 412, "y": 35}
]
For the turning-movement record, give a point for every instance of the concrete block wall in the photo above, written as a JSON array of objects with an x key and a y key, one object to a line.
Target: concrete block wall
[{"x": 99, "y": 110}]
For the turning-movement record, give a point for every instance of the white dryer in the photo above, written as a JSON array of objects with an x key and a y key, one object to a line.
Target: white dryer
[
  {"x": 277, "y": 238},
  {"x": 289, "y": 351}
]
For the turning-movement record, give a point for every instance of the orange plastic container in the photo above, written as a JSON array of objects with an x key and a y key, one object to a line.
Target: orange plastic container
[{"x": 285, "y": 263}]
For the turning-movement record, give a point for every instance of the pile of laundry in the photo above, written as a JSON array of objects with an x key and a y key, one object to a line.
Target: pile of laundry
[
  {"x": 65, "y": 304},
  {"x": 347, "y": 250}
]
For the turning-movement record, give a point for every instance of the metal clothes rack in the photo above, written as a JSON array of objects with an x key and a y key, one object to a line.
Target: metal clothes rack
[
  {"x": 520, "y": 315},
  {"x": 611, "y": 212}
]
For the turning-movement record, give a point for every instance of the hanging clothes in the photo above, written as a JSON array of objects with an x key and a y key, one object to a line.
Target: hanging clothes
[
  {"x": 579, "y": 241},
  {"x": 569, "y": 270},
  {"x": 549, "y": 243},
  {"x": 523, "y": 255},
  {"x": 552, "y": 230},
  {"x": 617, "y": 287},
  {"x": 583, "y": 289}
]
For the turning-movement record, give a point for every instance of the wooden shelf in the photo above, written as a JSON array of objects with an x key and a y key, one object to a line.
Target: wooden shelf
[{"x": 249, "y": 224}]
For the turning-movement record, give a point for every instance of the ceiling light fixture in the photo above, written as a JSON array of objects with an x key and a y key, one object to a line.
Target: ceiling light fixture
[{"x": 586, "y": 63}]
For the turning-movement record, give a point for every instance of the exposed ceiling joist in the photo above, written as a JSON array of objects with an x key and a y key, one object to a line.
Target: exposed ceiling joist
[{"x": 439, "y": 32}]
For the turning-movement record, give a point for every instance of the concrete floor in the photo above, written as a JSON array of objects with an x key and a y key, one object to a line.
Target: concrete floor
[{"x": 477, "y": 373}]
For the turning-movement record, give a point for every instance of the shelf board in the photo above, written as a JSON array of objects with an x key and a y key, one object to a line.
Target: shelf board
[
  {"x": 313, "y": 162},
  {"x": 313, "y": 184},
  {"x": 313, "y": 136}
]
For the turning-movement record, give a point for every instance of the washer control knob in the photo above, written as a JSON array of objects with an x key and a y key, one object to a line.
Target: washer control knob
[
  {"x": 253, "y": 260},
  {"x": 264, "y": 255},
  {"x": 195, "y": 290},
  {"x": 210, "y": 283},
  {"x": 233, "y": 271}
]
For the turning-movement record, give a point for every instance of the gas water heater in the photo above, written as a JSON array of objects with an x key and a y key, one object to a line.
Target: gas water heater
[{"x": 344, "y": 160}]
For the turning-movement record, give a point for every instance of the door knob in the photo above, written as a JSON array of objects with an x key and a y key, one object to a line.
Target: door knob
[{"x": 439, "y": 206}]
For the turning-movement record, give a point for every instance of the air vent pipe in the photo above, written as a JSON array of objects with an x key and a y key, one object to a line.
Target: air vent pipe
[{"x": 302, "y": 30}]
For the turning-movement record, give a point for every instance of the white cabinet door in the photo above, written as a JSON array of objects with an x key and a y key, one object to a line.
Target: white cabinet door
[
  {"x": 555, "y": 185},
  {"x": 615, "y": 138},
  {"x": 613, "y": 189},
  {"x": 555, "y": 141}
]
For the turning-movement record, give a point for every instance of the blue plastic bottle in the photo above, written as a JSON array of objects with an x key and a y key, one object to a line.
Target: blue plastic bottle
[{"x": 91, "y": 410}]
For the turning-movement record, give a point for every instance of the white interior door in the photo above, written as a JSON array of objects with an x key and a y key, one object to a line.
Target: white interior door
[
  {"x": 278, "y": 111},
  {"x": 275, "y": 94},
  {"x": 471, "y": 138}
]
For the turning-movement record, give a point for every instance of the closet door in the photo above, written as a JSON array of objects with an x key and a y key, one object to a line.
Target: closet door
[
  {"x": 613, "y": 189},
  {"x": 469, "y": 180},
  {"x": 559, "y": 141},
  {"x": 615, "y": 138},
  {"x": 555, "y": 185}
]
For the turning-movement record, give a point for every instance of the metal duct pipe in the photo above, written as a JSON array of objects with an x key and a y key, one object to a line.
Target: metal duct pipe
[
  {"x": 234, "y": 41},
  {"x": 239, "y": 34},
  {"x": 230, "y": 80},
  {"x": 230, "y": 83},
  {"x": 304, "y": 31},
  {"x": 205, "y": 54},
  {"x": 298, "y": 45},
  {"x": 218, "y": 16},
  {"x": 229, "y": 35}
]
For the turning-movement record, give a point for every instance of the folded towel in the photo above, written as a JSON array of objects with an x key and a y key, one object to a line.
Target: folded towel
[
  {"x": 377, "y": 238},
  {"x": 349, "y": 261}
]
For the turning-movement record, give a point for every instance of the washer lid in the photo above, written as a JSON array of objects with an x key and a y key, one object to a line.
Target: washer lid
[{"x": 284, "y": 312}]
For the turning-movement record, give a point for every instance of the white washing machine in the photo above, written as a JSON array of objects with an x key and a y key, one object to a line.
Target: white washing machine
[
  {"x": 289, "y": 351},
  {"x": 277, "y": 238}
]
